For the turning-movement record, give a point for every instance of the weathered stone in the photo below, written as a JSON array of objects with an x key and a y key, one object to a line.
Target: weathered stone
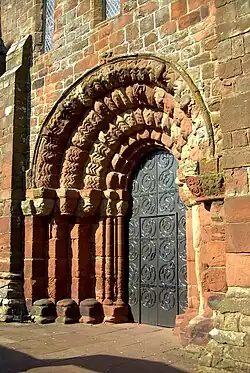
[
  {"x": 115, "y": 313},
  {"x": 237, "y": 353},
  {"x": 216, "y": 349},
  {"x": 218, "y": 320},
  {"x": 238, "y": 292},
  {"x": 67, "y": 311},
  {"x": 43, "y": 311},
  {"x": 244, "y": 324},
  {"x": 43, "y": 302},
  {"x": 235, "y": 305},
  {"x": 230, "y": 322},
  {"x": 231, "y": 109},
  {"x": 39, "y": 206},
  {"x": 232, "y": 365},
  {"x": 91, "y": 311},
  {"x": 228, "y": 337},
  {"x": 211, "y": 370},
  {"x": 194, "y": 349},
  {"x": 206, "y": 360},
  {"x": 214, "y": 301}
]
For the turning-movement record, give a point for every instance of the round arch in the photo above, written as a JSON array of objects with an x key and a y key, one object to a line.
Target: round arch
[
  {"x": 88, "y": 147},
  {"x": 123, "y": 96}
]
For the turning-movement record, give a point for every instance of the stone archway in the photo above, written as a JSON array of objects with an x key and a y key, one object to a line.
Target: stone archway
[{"x": 88, "y": 147}]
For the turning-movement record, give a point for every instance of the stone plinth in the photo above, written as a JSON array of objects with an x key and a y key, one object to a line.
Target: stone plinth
[
  {"x": 67, "y": 311},
  {"x": 43, "y": 311},
  {"x": 91, "y": 312},
  {"x": 115, "y": 313}
]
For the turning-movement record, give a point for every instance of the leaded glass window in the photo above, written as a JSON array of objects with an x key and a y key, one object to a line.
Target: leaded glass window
[
  {"x": 48, "y": 24},
  {"x": 112, "y": 8}
]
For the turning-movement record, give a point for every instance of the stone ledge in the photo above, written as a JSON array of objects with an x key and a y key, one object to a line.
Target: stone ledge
[
  {"x": 233, "y": 305},
  {"x": 229, "y": 337},
  {"x": 238, "y": 292}
]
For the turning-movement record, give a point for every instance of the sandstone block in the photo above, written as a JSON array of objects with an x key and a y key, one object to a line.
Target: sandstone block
[
  {"x": 235, "y": 305},
  {"x": 238, "y": 292},
  {"x": 241, "y": 354},
  {"x": 228, "y": 337},
  {"x": 91, "y": 311},
  {"x": 237, "y": 209},
  {"x": 244, "y": 324},
  {"x": 115, "y": 313},
  {"x": 43, "y": 311},
  {"x": 233, "y": 366},
  {"x": 206, "y": 360},
  {"x": 67, "y": 311},
  {"x": 238, "y": 265},
  {"x": 230, "y": 322},
  {"x": 233, "y": 108},
  {"x": 217, "y": 351}
]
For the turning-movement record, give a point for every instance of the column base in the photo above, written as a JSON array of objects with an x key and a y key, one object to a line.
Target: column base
[
  {"x": 67, "y": 312},
  {"x": 115, "y": 313},
  {"x": 43, "y": 311},
  {"x": 91, "y": 312}
]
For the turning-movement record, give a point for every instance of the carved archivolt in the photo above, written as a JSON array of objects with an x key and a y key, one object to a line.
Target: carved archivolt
[{"x": 108, "y": 107}]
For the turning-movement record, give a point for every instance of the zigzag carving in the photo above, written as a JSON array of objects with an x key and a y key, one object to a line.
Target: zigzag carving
[{"x": 111, "y": 103}]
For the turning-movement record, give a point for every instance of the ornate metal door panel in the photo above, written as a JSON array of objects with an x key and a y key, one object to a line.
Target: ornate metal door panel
[{"x": 157, "y": 245}]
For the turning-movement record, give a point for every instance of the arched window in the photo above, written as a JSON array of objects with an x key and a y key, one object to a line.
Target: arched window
[
  {"x": 112, "y": 8},
  {"x": 48, "y": 24}
]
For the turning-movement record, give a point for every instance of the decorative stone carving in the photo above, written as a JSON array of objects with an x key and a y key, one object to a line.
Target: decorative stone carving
[
  {"x": 121, "y": 208},
  {"x": 38, "y": 206},
  {"x": 208, "y": 185},
  {"x": 108, "y": 204},
  {"x": 67, "y": 201},
  {"x": 89, "y": 202},
  {"x": 122, "y": 85},
  {"x": 39, "y": 201}
]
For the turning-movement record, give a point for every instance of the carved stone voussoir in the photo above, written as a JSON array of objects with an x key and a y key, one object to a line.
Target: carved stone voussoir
[
  {"x": 206, "y": 186},
  {"x": 135, "y": 94}
]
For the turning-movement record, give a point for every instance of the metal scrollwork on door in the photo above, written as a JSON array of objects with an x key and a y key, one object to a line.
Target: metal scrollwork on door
[{"x": 157, "y": 243}]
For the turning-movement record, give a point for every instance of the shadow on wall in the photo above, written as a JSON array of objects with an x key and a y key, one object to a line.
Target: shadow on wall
[{"x": 13, "y": 361}]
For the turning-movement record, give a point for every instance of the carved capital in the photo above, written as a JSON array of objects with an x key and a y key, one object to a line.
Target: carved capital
[
  {"x": 122, "y": 204},
  {"x": 38, "y": 206},
  {"x": 109, "y": 201},
  {"x": 122, "y": 208},
  {"x": 206, "y": 186},
  {"x": 89, "y": 202},
  {"x": 67, "y": 201}
]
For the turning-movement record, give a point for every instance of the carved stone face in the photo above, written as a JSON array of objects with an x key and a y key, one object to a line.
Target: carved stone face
[{"x": 179, "y": 87}]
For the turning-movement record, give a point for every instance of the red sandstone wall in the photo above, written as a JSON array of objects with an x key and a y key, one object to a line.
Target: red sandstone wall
[
  {"x": 186, "y": 31},
  {"x": 234, "y": 73},
  {"x": 183, "y": 30},
  {"x": 212, "y": 252},
  {"x": 19, "y": 18}
]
